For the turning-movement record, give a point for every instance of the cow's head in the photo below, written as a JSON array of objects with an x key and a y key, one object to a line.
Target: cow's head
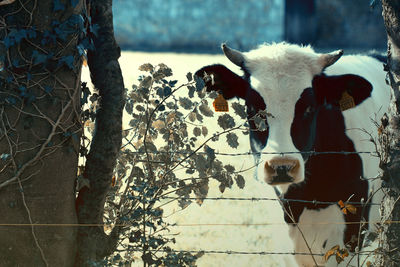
[{"x": 288, "y": 82}]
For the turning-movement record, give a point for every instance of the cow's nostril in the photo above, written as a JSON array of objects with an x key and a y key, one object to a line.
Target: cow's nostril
[{"x": 280, "y": 170}]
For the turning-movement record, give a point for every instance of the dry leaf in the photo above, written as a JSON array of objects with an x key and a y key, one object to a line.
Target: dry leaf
[
  {"x": 338, "y": 258},
  {"x": 351, "y": 208},
  {"x": 108, "y": 228},
  {"x": 331, "y": 252},
  {"x": 192, "y": 116},
  {"x": 171, "y": 117},
  {"x": 158, "y": 124},
  {"x": 380, "y": 130},
  {"x": 340, "y": 254},
  {"x": 84, "y": 61},
  {"x": 199, "y": 201},
  {"x": 347, "y": 207},
  {"x": 204, "y": 130},
  {"x": 138, "y": 143}
]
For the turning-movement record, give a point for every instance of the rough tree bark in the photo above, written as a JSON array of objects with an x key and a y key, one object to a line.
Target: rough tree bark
[
  {"x": 390, "y": 234},
  {"x": 40, "y": 127},
  {"x": 106, "y": 76},
  {"x": 39, "y": 106}
]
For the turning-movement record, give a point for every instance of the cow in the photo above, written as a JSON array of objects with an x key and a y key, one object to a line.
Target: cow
[{"x": 321, "y": 111}]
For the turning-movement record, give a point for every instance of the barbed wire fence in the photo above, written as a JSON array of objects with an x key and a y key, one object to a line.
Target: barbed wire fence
[
  {"x": 178, "y": 156},
  {"x": 258, "y": 199},
  {"x": 247, "y": 199},
  {"x": 186, "y": 154}
]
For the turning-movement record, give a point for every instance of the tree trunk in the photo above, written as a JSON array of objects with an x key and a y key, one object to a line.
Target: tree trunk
[
  {"x": 40, "y": 128},
  {"x": 390, "y": 208},
  {"x": 106, "y": 76},
  {"x": 39, "y": 132}
]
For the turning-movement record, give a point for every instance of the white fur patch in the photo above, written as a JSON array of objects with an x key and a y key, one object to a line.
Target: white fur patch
[{"x": 319, "y": 227}]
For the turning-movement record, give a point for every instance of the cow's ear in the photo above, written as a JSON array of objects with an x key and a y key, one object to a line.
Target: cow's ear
[
  {"x": 219, "y": 78},
  {"x": 337, "y": 89}
]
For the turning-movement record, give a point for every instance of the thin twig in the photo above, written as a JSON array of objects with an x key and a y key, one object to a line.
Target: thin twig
[
  {"x": 42, "y": 148},
  {"x": 298, "y": 228},
  {"x": 32, "y": 224}
]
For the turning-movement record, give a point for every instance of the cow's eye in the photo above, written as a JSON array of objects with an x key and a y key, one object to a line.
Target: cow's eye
[{"x": 309, "y": 110}]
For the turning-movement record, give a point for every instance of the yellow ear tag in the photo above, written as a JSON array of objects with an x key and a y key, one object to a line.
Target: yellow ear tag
[
  {"x": 220, "y": 104},
  {"x": 346, "y": 102}
]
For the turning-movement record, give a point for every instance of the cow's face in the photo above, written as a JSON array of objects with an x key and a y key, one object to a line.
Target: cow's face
[{"x": 286, "y": 81}]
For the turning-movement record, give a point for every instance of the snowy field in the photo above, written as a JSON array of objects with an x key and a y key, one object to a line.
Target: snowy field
[{"x": 226, "y": 225}]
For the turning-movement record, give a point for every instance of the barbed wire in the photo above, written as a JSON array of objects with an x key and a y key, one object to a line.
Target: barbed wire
[
  {"x": 270, "y": 199},
  {"x": 261, "y": 253},
  {"x": 231, "y": 252},
  {"x": 261, "y": 153},
  {"x": 274, "y": 223},
  {"x": 191, "y": 224}
]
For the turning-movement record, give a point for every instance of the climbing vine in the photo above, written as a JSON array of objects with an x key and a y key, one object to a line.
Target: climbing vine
[{"x": 42, "y": 45}]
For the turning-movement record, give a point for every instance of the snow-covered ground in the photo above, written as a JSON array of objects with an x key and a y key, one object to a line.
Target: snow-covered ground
[{"x": 238, "y": 226}]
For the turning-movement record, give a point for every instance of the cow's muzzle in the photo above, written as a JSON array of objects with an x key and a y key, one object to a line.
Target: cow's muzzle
[{"x": 281, "y": 170}]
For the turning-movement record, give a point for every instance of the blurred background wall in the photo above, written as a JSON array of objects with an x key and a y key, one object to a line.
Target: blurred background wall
[
  {"x": 202, "y": 25},
  {"x": 196, "y": 25}
]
